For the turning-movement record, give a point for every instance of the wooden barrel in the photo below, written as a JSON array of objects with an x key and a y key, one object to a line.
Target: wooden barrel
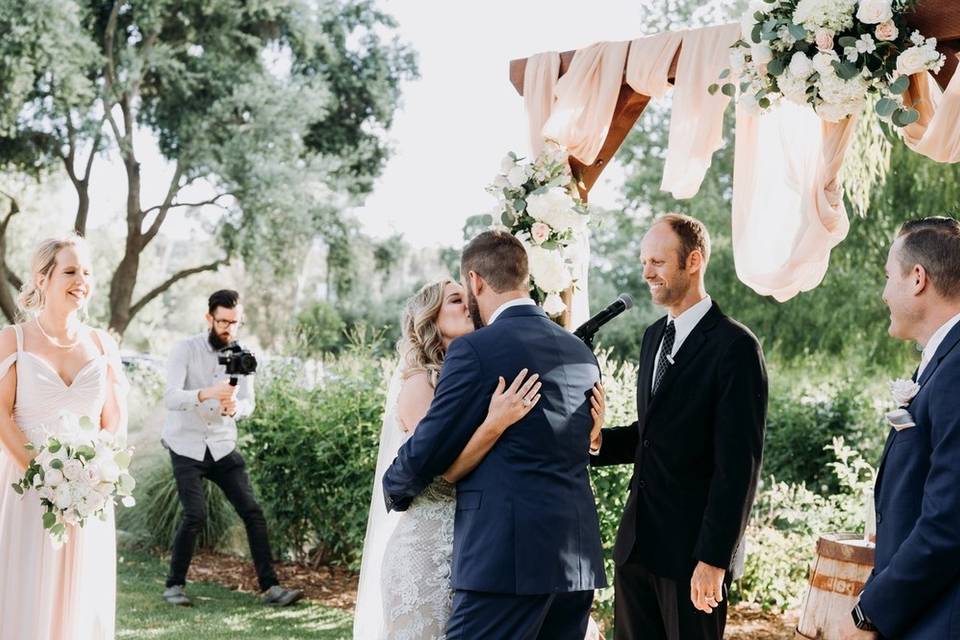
[{"x": 842, "y": 566}]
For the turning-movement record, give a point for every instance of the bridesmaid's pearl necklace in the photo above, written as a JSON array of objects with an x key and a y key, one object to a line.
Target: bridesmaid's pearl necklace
[{"x": 52, "y": 341}]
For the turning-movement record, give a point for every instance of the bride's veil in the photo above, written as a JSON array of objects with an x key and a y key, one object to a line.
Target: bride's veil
[{"x": 368, "y": 616}]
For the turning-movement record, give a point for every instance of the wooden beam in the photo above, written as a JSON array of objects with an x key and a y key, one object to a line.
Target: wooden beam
[{"x": 938, "y": 19}]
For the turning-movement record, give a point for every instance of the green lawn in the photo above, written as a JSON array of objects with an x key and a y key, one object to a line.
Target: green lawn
[{"x": 218, "y": 612}]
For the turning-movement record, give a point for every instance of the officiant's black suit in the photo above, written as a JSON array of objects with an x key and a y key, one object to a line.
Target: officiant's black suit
[{"x": 696, "y": 449}]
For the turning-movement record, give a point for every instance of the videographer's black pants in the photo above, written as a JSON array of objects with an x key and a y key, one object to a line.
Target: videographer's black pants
[{"x": 230, "y": 474}]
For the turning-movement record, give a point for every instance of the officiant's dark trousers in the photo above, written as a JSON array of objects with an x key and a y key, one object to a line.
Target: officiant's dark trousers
[
  {"x": 651, "y": 607},
  {"x": 498, "y": 616},
  {"x": 230, "y": 474}
]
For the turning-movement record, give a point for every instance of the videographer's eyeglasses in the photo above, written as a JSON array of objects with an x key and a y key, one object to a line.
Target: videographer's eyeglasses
[{"x": 227, "y": 324}]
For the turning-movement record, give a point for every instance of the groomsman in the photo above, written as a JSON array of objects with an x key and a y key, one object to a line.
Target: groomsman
[
  {"x": 914, "y": 590},
  {"x": 695, "y": 446}
]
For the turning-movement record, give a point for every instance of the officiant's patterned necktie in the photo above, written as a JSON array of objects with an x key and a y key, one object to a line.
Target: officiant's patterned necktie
[{"x": 669, "y": 335}]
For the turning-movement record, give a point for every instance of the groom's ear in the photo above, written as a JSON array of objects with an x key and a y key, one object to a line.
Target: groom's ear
[{"x": 919, "y": 280}]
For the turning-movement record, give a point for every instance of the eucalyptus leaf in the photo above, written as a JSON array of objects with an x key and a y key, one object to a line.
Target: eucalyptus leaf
[
  {"x": 728, "y": 90},
  {"x": 797, "y": 31},
  {"x": 900, "y": 85},
  {"x": 56, "y": 464},
  {"x": 17, "y": 488},
  {"x": 755, "y": 34},
  {"x": 903, "y": 117},
  {"x": 712, "y": 89},
  {"x": 764, "y": 103},
  {"x": 885, "y": 107},
  {"x": 725, "y": 73},
  {"x": 847, "y": 41},
  {"x": 49, "y": 519},
  {"x": 776, "y": 66},
  {"x": 520, "y": 204}
]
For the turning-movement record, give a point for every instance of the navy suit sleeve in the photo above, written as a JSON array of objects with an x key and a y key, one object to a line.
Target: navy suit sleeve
[
  {"x": 927, "y": 562},
  {"x": 459, "y": 406},
  {"x": 738, "y": 448}
]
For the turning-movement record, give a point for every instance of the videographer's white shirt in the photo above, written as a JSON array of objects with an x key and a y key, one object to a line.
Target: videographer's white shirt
[{"x": 191, "y": 426}]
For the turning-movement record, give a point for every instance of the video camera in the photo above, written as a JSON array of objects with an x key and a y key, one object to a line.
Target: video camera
[{"x": 237, "y": 361}]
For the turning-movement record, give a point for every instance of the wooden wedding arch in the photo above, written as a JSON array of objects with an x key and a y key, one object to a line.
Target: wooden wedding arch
[{"x": 934, "y": 18}]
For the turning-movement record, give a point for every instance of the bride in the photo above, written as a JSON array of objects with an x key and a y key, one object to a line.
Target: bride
[
  {"x": 405, "y": 591},
  {"x": 49, "y": 363}
]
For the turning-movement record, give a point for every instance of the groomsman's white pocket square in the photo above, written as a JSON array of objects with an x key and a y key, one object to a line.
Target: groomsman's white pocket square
[{"x": 900, "y": 419}]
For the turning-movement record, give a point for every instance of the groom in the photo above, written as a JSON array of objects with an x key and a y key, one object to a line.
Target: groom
[
  {"x": 914, "y": 589},
  {"x": 526, "y": 550}
]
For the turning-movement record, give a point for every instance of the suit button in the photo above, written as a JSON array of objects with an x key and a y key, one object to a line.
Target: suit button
[
  {"x": 642, "y": 484},
  {"x": 646, "y": 443}
]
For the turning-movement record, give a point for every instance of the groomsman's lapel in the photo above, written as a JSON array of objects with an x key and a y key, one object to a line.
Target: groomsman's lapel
[
  {"x": 948, "y": 344},
  {"x": 688, "y": 352}
]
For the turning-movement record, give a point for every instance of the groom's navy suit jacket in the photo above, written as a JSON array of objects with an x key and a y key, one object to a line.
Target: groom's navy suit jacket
[
  {"x": 914, "y": 590},
  {"x": 526, "y": 521}
]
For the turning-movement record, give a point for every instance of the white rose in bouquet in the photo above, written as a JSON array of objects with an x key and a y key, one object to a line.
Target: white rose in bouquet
[
  {"x": 517, "y": 176},
  {"x": 800, "y": 65},
  {"x": 548, "y": 270},
  {"x": 53, "y": 478},
  {"x": 554, "y": 207},
  {"x": 508, "y": 163},
  {"x": 553, "y": 305},
  {"x": 762, "y": 54},
  {"x": 63, "y": 497},
  {"x": 916, "y": 60},
  {"x": 72, "y": 469},
  {"x": 874, "y": 11}
]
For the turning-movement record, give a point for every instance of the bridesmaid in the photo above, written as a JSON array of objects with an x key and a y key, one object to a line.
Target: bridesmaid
[{"x": 52, "y": 362}]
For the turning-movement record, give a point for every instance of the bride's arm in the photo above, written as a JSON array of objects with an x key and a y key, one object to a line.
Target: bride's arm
[
  {"x": 113, "y": 416},
  {"x": 507, "y": 407},
  {"x": 12, "y": 440}
]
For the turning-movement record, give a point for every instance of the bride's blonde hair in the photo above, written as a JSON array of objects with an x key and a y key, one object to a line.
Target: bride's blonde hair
[
  {"x": 31, "y": 298},
  {"x": 421, "y": 343}
]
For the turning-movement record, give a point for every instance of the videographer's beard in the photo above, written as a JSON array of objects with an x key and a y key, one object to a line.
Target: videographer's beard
[
  {"x": 217, "y": 341},
  {"x": 474, "y": 308}
]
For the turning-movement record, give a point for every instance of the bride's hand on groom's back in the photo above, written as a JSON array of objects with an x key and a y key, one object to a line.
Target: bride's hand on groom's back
[{"x": 509, "y": 404}]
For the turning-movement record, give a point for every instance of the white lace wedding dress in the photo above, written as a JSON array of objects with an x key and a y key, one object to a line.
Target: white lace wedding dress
[
  {"x": 48, "y": 593},
  {"x": 416, "y": 570}
]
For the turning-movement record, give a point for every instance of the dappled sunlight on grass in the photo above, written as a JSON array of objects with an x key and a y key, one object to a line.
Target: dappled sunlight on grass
[{"x": 218, "y": 612}]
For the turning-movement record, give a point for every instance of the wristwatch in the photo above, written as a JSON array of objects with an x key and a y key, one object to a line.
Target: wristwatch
[{"x": 860, "y": 619}]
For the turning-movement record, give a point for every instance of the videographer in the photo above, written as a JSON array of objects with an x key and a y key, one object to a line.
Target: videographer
[{"x": 201, "y": 433}]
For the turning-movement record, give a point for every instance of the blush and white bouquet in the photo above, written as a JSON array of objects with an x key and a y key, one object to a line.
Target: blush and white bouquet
[
  {"x": 76, "y": 474},
  {"x": 538, "y": 202},
  {"x": 830, "y": 55}
]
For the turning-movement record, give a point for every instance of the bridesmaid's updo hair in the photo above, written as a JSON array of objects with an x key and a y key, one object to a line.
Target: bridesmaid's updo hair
[
  {"x": 31, "y": 300},
  {"x": 421, "y": 343}
]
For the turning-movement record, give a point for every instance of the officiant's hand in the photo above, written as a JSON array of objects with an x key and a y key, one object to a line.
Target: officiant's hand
[
  {"x": 706, "y": 587},
  {"x": 598, "y": 409},
  {"x": 509, "y": 404}
]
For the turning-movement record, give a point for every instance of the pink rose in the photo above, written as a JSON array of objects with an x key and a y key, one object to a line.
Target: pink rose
[
  {"x": 824, "y": 39},
  {"x": 539, "y": 232},
  {"x": 887, "y": 31}
]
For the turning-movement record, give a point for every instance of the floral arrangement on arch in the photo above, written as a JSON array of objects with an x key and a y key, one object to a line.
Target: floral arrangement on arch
[
  {"x": 829, "y": 54},
  {"x": 538, "y": 202}
]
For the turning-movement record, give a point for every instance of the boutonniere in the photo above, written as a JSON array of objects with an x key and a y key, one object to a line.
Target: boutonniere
[{"x": 903, "y": 391}]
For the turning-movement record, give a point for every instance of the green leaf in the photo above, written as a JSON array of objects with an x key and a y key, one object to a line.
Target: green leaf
[
  {"x": 758, "y": 16},
  {"x": 725, "y": 73},
  {"x": 86, "y": 452},
  {"x": 486, "y": 220},
  {"x": 728, "y": 90},
  {"x": 54, "y": 446},
  {"x": 520, "y": 204},
  {"x": 17, "y": 488},
  {"x": 846, "y": 70},
  {"x": 776, "y": 66},
  {"x": 903, "y": 117},
  {"x": 56, "y": 464},
  {"x": 549, "y": 244},
  {"x": 796, "y": 30},
  {"x": 900, "y": 85},
  {"x": 49, "y": 519},
  {"x": 712, "y": 89},
  {"x": 755, "y": 33},
  {"x": 58, "y": 529},
  {"x": 885, "y": 107},
  {"x": 847, "y": 41},
  {"x": 764, "y": 102}
]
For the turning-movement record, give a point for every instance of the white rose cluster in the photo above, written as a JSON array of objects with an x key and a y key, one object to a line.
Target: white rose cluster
[
  {"x": 922, "y": 56},
  {"x": 76, "y": 474}
]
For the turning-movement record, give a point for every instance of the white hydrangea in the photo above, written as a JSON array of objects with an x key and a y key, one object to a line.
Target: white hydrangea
[
  {"x": 555, "y": 207},
  {"x": 835, "y": 15},
  {"x": 794, "y": 86}
]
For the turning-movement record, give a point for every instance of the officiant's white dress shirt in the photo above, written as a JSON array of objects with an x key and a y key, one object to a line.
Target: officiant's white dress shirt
[
  {"x": 684, "y": 324},
  {"x": 191, "y": 426},
  {"x": 934, "y": 343}
]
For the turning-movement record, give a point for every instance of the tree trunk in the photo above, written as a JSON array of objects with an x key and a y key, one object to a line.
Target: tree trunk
[
  {"x": 83, "y": 207},
  {"x": 8, "y": 302}
]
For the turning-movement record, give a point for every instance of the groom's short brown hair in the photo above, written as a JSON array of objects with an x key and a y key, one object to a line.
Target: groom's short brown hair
[
  {"x": 499, "y": 258},
  {"x": 934, "y": 244}
]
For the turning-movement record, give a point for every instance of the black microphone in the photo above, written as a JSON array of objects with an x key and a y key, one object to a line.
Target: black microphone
[{"x": 586, "y": 331}]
